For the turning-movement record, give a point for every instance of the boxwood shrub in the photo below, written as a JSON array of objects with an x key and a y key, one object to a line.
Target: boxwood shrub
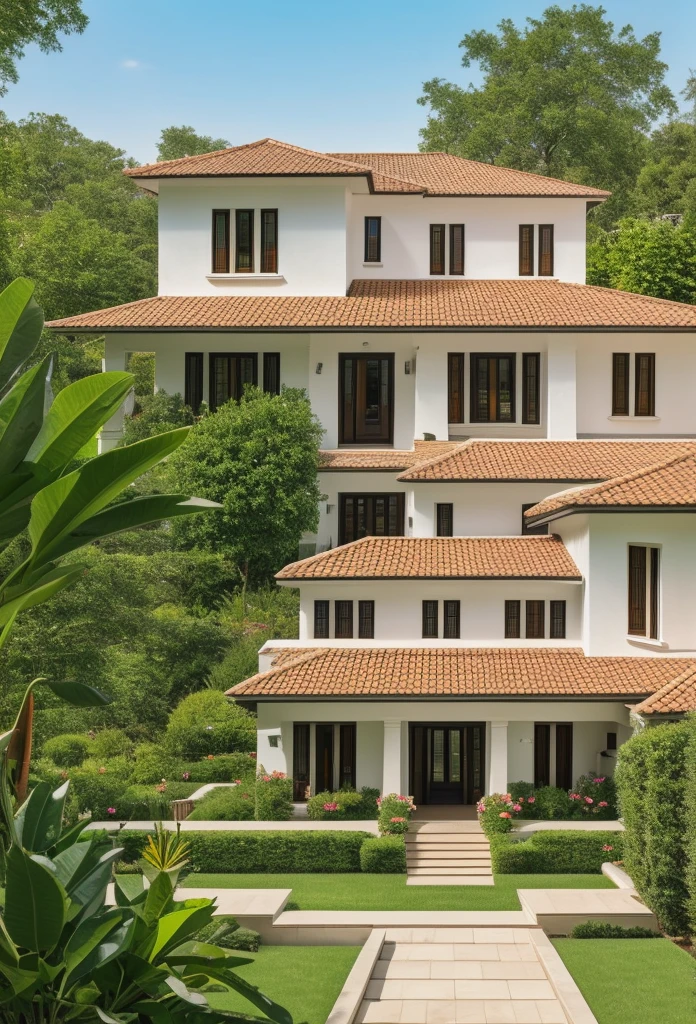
[
  {"x": 555, "y": 853},
  {"x": 231, "y": 803},
  {"x": 383, "y": 856},
  {"x": 68, "y": 750},
  {"x": 345, "y": 805}
]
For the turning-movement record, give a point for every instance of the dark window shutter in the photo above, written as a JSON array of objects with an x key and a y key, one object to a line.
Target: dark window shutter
[
  {"x": 430, "y": 620},
  {"x": 344, "y": 620},
  {"x": 455, "y": 387},
  {"x": 445, "y": 519},
  {"x": 529, "y": 530},
  {"x": 244, "y": 242},
  {"x": 611, "y": 741},
  {"x": 271, "y": 373},
  {"x": 456, "y": 260},
  {"x": 557, "y": 624},
  {"x": 542, "y": 754},
  {"x": 300, "y": 760},
  {"x": 526, "y": 250},
  {"x": 512, "y": 620},
  {"x": 437, "y": 248},
  {"x": 534, "y": 611},
  {"x": 221, "y": 241},
  {"x": 321, "y": 620},
  {"x": 619, "y": 383},
  {"x": 346, "y": 773},
  {"x": 452, "y": 620},
  {"x": 193, "y": 379},
  {"x": 564, "y": 755},
  {"x": 373, "y": 240},
  {"x": 269, "y": 241},
  {"x": 654, "y": 593},
  {"x": 531, "y": 396},
  {"x": 366, "y": 620},
  {"x": 637, "y": 579},
  {"x": 645, "y": 384},
  {"x": 546, "y": 250}
]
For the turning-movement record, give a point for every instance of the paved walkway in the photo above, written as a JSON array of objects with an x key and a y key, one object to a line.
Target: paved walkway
[{"x": 448, "y": 853}]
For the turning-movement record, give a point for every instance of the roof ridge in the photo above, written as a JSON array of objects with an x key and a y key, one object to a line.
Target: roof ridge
[{"x": 435, "y": 459}]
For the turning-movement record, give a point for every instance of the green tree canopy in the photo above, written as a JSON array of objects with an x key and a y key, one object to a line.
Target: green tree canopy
[
  {"x": 34, "y": 21},
  {"x": 649, "y": 257},
  {"x": 182, "y": 140},
  {"x": 567, "y": 96}
]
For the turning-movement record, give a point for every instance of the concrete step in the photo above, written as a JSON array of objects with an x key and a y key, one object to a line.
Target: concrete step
[
  {"x": 451, "y": 870},
  {"x": 445, "y": 837},
  {"x": 452, "y": 854}
]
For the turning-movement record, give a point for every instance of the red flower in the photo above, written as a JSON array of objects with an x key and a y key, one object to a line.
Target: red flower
[
  {"x": 607, "y": 848},
  {"x": 504, "y": 814}
]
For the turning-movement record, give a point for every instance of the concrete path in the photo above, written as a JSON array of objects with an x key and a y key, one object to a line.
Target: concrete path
[{"x": 447, "y": 853}]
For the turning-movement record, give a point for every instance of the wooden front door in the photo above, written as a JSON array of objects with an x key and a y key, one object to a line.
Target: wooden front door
[
  {"x": 366, "y": 413},
  {"x": 447, "y": 763}
]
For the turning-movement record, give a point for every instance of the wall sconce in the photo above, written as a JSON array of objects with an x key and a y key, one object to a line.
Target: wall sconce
[
  {"x": 407, "y": 367},
  {"x": 365, "y": 344},
  {"x": 319, "y": 367},
  {"x": 329, "y": 509},
  {"x": 273, "y": 741}
]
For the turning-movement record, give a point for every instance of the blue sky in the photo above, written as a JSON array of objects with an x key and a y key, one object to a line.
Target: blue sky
[{"x": 326, "y": 75}]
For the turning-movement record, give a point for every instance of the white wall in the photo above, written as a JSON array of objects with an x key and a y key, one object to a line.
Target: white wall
[
  {"x": 491, "y": 234},
  {"x": 480, "y": 510},
  {"x": 333, "y": 484}
]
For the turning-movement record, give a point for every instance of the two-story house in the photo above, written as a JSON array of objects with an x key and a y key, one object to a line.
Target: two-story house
[{"x": 502, "y": 444}]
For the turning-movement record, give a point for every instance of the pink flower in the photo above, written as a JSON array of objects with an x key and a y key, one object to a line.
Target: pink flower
[
  {"x": 602, "y": 803},
  {"x": 506, "y": 797},
  {"x": 331, "y": 807},
  {"x": 607, "y": 848},
  {"x": 266, "y": 778},
  {"x": 531, "y": 799},
  {"x": 589, "y": 800},
  {"x": 397, "y": 821},
  {"x": 574, "y": 796},
  {"x": 597, "y": 781},
  {"x": 186, "y": 776},
  {"x": 520, "y": 799},
  {"x": 480, "y": 807},
  {"x": 516, "y": 807},
  {"x": 237, "y": 782},
  {"x": 110, "y": 810},
  {"x": 504, "y": 814},
  {"x": 379, "y": 800}
]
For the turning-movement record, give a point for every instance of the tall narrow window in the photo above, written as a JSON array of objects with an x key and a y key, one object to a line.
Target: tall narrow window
[
  {"x": 229, "y": 373},
  {"x": 564, "y": 755},
  {"x": 557, "y": 620},
  {"x": 645, "y": 384},
  {"x": 366, "y": 620},
  {"x": 193, "y": 379},
  {"x": 269, "y": 242},
  {"x": 244, "y": 242},
  {"x": 221, "y": 241},
  {"x": 456, "y": 253},
  {"x": 437, "y": 248},
  {"x": 529, "y": 530},
  {"x": 620, "y": 363},
  {"x": 526, "y": 250},
  {"x": 644, "y": 591},
  {"x": 430, "y": 620},
  {"x": 373, "y": 239},
  {"x": 346, "y": 771},
  {"x": 654, "y": 593},
  {"x": 300, "y": 761},
  {"x": 493, "y": 388},
  {"x": 451, "y": 620},
  {"x": 512, "y": 620},
  {"x": 321, "y": 620},
  {"x": 531, "y": 406},
  {"x": 271, "y": 373},
  {"x": 455, "y": 387},
  {"x": 444, "y": 515},
  {"x": 534, "y": 620},
  {"x": 344, "y": 620},
  {"x": 546, "y": 250},
  {"x": 542, "y": 754}
]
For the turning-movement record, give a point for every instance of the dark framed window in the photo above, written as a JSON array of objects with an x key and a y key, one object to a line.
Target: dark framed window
[
  {"x": 654, "y": 593},
  {"x": 534, "y": 616},
  {"x": 542, "y": 754},
  {"x": 373, "y": 240},
  {"x": 451, "y": 620},
  {"x": 366, "y": 399},
  {"x": 564, "y": 755},
  {"x": 370, "y": 515},
  {"x": 611, "y": 741},
  {"x": 546, "y": 250},
  {"x": 430, "y": 620},
  {"x": 346, "y": 769},
  {"x": 557, "y": 620},
  {"x": 456, "y": 253},
  {"x": 526, "y": 250},
  {"x": 531, "y": 387},
  {"x": 444, "y": 517},
  {"x": 620, "y": 369},
  {"x": 645, "y": 384},
  {"x": 300, "y": 760},
  {"x": 437, "y": 248},
  {"x": 493, "y": 388},
  {"x": 344, "y": 620},
  {"x": 530, "y": 530},
  {"x": 244, "y": 242},
  {"x": 193, "y": 379},
  {"x": 321, "y": 620},
  {"x": 455, "y": 387},
  {"x": 269, "y": 242},
  {"x": 221, "y": 242},
  {"x": 229, "y": 373},
  {"x": 271, "y": 373},
  {"x": 512, "y": 620},
  {"x": 643, "y": 591},
  {"x": 366, "y": 620}
]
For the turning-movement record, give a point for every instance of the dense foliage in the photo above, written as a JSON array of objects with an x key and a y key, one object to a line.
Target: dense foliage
[
  {"x": 555, "y": 853},
  {"x": 593, "y": 798},
  {"x": 383, "y": 856},
  {"x": 344, "y": 805}
]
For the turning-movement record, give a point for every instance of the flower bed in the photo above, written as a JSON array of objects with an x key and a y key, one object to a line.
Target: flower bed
[
  {"x": 345, "y": 805},
  {"x": 394, "y": 814},
  {"x": 592, "y": 799}
]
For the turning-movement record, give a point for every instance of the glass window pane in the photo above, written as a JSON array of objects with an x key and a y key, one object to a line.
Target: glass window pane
[
  {"x": 455, "y": 765},
  {"x": 438, "y": 755}
]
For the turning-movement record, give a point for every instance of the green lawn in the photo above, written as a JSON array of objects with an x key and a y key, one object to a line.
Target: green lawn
[
  {"x": 390, "y": 892},
  {"x": 306, "y": 980},
  {"x": 644, "y": 981}
]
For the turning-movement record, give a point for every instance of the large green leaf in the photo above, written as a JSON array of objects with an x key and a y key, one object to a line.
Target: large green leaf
[
  {"x": 64, "y": 505},
  {"x": 14, "y": 522},
  {"x": 35, "y": 902},
  {"x": 273, "y": 1010},
  {"x": 173, "y": 928},
  {"x": 21, "y": 323},
  {"x": 96, "y": 941},
  {"x": 90, "y": 890},
  {"x": 195, "y": 952},
  {"x": 76, "y": 414},
  {"x": 80, "y": 695},
  {"x": 39, "y": 820},
  {"x": 59, "y": 580},
  {"x": 21, "y": 415},
  {"x": 159, "y": 897}
]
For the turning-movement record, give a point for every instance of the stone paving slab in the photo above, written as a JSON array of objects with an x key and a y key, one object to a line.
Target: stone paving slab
[
  {"x": 522, "y": 827},
  {"x": 450, "y": 880},
  {"x": 559, "y": 910}
]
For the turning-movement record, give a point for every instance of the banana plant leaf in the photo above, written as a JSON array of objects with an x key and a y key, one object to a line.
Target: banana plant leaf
[
  {"x": 35, "y": 903},
  {"x": 21, "y": 323},
  {"x": 21, "y": 415},
  {"x": 38, "y": 822},
  {"x": 97, "y": 941}
]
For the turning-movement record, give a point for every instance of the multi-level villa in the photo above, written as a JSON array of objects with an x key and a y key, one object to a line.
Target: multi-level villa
[{"x": 495, "y": 591}]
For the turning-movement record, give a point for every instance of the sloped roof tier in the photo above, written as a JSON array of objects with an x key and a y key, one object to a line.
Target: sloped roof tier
[
  {"x": 440, "y": 558},
  {"x": 400, "y": 305},
  {"x": 506, "y": 461},
  {"x": 461, "y": 673},
  {"x": 347, "y": 459},
  {"x": 675, "y": 698}
]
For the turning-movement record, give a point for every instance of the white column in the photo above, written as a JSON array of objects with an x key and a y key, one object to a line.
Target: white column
[
  {"x": 498, "y": 780},
  {"x": 391, "y": 770},
  {"x": 114, "y": 359},
  {"x": 561, "y": 417},
  {"x": 431, "y": 394}
]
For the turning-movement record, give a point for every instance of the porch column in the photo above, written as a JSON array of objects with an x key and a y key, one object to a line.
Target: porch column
[
  {"x": 498, "y": 780},
  {"x": 391, "y": 769},
  {"x": 561, "y": 417},
  {"x": 115, "y": 358}
]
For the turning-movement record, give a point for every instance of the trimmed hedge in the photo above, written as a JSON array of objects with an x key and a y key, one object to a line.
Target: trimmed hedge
[
  {"x": 273, "y": 796},
  {"x": 68, "y": 750},
  {"x": 383, "y": 856},
  {"x": 234, "y": 803},
  {"x": 690, "y": 824},
  {"x": 604, "y": 930},
  {"x": 555, "y": 853},
  {"x": 345, "y": 805}
]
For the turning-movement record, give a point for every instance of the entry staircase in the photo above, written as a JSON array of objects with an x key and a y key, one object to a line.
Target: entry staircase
[{"x": 447, "y": 853}]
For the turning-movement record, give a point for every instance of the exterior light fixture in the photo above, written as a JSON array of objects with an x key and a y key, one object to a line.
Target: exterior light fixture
[
  {"x": 407, "y": 367},
  {"x": 319, "y": 367}
]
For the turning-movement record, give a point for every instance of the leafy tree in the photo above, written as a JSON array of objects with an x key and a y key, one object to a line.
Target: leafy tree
[
  {"x": 566, "y": 96},
  {"x": 34, "y": 21},
  {"x": 667, "y": 182},
  {"x": 208, "y": 723},
  {"x": 183, "y": 141},
  {"x": 156, "y": 414},
  {"x": 648, "y": 257},
  {"x": 258, "y": 459}
]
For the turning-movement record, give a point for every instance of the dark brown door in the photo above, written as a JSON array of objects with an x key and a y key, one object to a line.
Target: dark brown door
[
  {"x": 564, "y": 755},
  {"x": 370, "y": 515},
  {"x": 542, "y": 754},
  {"x": 325, "y": 757},
  {"x": 346, "y": 773},
  {"x": 447, "y": 763},
  {"x": 300, "y": 760},
  {"x": 366, "y": 399}
]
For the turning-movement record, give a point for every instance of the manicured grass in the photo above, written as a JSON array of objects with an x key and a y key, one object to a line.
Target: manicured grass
[
  {"x": 644, "y": 981},
  {"x": 306, "y": 980},
  {"x": 390, "y": 892}
]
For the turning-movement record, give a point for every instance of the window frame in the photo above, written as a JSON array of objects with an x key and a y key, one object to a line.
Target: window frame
[
  {"x": 455, "y": 387},
  {"x": 212, "y": 356},
  {"x": 366, "y": 623},
  {"x": 322, "y": 613},
  {"x": 638, "y": 391},
  {"x": 535, "y": 608},
  {"x": 644, "y": 591},
  {"x": 366, "y": 252},
  {"x": 542, "y": 253},
  {"x": 343, "y": 617},
  {"x": 264, "y": 266},
  {"x": 193, "y": 380},
  {"x": 441, "y": 517},
  {"x": 558, "y": 619},
  {"x": 451, "y": 618},
  {"x": 430, "y": 617},
  {"x": 452, "y": 229},
  {"x": 354, "y": 496},
  {"x": 513, "y": 620},
  {"x": 533, "y": 359},
  {"x": 238, "y": 269},
  {"x": 437, "y": 249},
  {"x": 473, "y": 374},
  {"x": 620, "y": 383},
  {"x": 271, "y": 368},
  {"x": 348, "y": 415},
  {"x": 522, "y": 263},
  {"x": 225, "y": 214}
]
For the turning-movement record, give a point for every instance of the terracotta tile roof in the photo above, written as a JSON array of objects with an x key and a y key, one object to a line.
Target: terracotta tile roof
[
  {"x": 346, "y": 459},
  {"x": 419, "y": 173},
  {"x": 468, "y": 672},
  {"x": 411, "y": 305},
  {"x": 502, "y": 461},
  {"x": 675, "y": 698},
  {"x": 670, "y": 484},
  {"x": 439, "y": 558}
]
